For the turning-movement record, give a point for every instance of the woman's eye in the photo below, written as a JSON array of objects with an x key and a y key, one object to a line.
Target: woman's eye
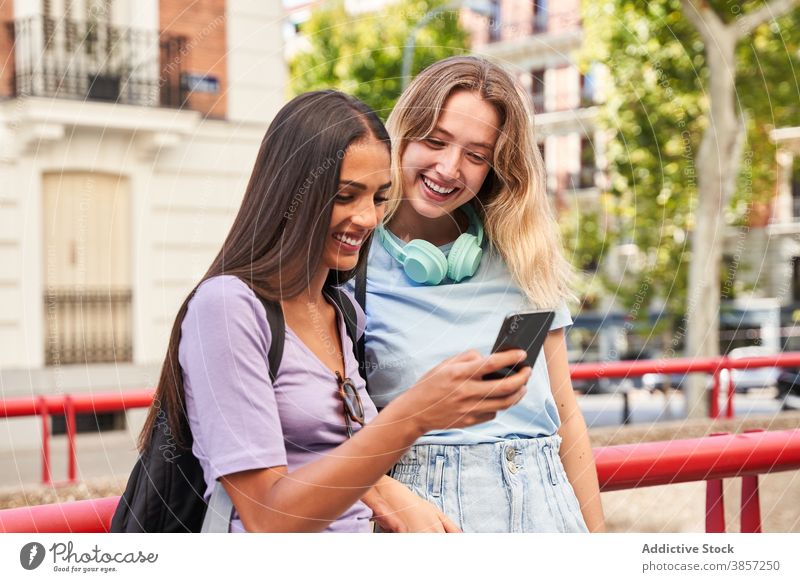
[
  {"x": 434, "y": 143},
  {"x": 344, "y": 198},
  {"x": 380, "y": 200},
  {"x": 479, "y": 158}
]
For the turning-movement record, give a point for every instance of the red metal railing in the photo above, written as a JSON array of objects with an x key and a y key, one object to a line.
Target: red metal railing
[
  {"x": 90, "y": 516},
  {"x": 619, "y": 467},
  {"x": 710, "y": 459},
  {"x": 70, "y": 405},
  {"x": 714, "y": 366}
]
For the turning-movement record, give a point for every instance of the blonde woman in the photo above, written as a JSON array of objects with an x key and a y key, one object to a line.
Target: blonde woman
[{"x": 465, "y": 162}]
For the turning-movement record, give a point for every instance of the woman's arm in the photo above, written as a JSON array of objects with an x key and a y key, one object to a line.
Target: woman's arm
[
  {"x": 311, "y": 497},
  {"x": 576, "y": 450},
  {"x": 397, "y": 509}
]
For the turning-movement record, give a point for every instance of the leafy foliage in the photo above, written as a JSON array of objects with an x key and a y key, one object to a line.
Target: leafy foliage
[
  {"x": 655, "y": 112},
  {"x": 362, "y": 54}
]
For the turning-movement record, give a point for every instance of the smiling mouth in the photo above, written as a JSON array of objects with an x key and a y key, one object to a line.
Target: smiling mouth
[
  {"x": 437, "y": 189},
  {"x": 349, "y": 240}
]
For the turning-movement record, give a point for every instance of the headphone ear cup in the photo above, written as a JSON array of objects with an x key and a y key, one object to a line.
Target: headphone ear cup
[
  {"x": 464, "y": 258},
  {"x": 424, "y": 262}
]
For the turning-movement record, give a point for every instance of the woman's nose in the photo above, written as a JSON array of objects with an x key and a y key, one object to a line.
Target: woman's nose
[
  {"x": 448, "y": 163},
  {"x": 367, "y": 216}
]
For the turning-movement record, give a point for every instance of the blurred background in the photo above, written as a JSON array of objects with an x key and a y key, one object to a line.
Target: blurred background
[{"x": 128, "y": 131}]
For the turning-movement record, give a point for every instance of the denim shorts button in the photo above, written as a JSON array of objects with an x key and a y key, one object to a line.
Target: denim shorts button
[
  {"x": 510, "y": 454},
  {"x": 512, "y": 466}
]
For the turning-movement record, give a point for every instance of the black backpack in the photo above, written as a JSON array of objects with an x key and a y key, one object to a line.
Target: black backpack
[{"x": 164, "y": 493}]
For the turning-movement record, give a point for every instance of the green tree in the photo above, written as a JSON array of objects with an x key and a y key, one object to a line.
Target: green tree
[
  {"x": 362, "y": 54},
  {"x": 682, "y": 125},
  {"x": 653, "y": 113}
]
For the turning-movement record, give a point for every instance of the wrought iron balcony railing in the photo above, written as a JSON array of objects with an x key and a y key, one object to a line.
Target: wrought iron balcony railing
[
  {"x": 71, "y": 59},
  {"x": 86, "y": 326}
]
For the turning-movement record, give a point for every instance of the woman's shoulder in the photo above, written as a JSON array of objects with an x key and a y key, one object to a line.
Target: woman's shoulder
[
  {"x": 221, "y": 289},
  {"x": 226, "y": 299}
]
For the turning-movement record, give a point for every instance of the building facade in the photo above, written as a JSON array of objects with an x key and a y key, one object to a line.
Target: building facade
[
  {"x": 762, "y": 258},
  {"x": 128, "y": 130},
  {"x": 539, "y": 42}
]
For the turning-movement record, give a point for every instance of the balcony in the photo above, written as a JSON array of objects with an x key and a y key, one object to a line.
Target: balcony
[
  {"x": 546, "y": 50},
  {"x": 88, "y": 326},
  {"x": 90, "y": 61},
  {"x": 583, "y": 179},
  {"x": 538, "y": 102}
]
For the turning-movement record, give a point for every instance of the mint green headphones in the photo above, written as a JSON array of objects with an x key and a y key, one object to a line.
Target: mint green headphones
[{"x": 426, "y": 264}]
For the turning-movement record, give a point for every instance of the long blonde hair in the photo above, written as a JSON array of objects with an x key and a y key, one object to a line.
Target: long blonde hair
[{"x": 518, "y": 218}]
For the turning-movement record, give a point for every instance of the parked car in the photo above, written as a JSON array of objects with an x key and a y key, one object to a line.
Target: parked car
[
  {"x": 743, "y": 379},
  {"x": 789, "y": 388},
  {"x": 611, "y": 385},
  {"x": 656, "y": 381},
  {"x": 752, "y": 378},
  {"x": 603, "y": 385}
]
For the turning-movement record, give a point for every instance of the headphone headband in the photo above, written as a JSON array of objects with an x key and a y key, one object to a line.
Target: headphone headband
[{"x": 425, "y": 263}]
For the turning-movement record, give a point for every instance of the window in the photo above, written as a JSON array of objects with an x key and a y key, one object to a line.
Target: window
[
  {"x": 588, "y": 166},
  {"x": 494, "y": 21},
  {"x": 587, "y": 89},
  {"x": 539, "y": 16},
  {"x": 796, "y": 190},
  {"x": 87, "y": 299},
  {"x": 49, "y": 25},
  {"x": 537, "y": 90}
]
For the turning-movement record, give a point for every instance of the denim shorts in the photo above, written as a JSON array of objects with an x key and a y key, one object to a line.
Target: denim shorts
[{"x": 516, "y": 485}]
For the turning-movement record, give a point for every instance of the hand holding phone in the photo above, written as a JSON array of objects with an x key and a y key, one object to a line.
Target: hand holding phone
[{"x": 524, "y": 330}]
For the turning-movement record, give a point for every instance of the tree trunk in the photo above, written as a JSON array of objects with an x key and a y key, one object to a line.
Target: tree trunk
[{"x": 717, "y": 167}]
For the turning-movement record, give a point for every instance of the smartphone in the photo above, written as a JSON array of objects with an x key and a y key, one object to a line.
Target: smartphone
[{"x": 525, "y": 330}]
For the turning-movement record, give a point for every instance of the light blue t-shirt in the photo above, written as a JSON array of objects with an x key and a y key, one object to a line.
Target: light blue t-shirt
[{"x": 411, "y": 328}]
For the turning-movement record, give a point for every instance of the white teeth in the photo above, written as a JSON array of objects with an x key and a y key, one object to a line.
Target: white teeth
[
  {"x": 348, "y": 239},
  {"x": 435, "y": 188}
]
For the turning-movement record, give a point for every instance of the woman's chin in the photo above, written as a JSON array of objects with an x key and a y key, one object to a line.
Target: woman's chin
[
  {"x": 430, "y": 209},
  {"x": 343, "y": 263},
  {"x": 432, "y": 205}
]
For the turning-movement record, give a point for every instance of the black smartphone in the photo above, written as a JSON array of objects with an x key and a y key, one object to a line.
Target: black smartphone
[{"x": 525, "y": 330}]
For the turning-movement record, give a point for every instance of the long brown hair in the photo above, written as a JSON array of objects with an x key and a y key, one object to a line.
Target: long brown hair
[
  {"x": 276, "y": 242},
  {"x": 513, "y": 201}
]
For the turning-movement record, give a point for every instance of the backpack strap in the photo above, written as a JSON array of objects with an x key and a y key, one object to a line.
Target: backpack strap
[
  {"x": 219, "y": 512},
  {"x": 277, "y": 329},
  {"x": 361, "y": 298},
  {"x": 348, "y": 310}
]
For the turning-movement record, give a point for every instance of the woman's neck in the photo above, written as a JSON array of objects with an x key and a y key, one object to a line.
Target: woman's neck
[
  {"x": 311, "y": 295},
  {"x": 407, "y": 224}
]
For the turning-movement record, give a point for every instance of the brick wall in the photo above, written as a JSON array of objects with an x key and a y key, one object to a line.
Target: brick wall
[
  {"x": 6, "y": 49},
  {"x": 202, "y": 22}
]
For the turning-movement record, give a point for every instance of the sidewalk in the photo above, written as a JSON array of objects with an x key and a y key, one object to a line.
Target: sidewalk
[{"x": 106, "y": 454}]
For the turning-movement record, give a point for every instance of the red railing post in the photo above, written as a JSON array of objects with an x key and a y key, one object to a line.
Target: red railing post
[
  {"x": 715, "y": 502},
  {"x": 715, "y": 507},
  {"x": 731, "y": 392},
  {"x": 713, "y": 411},
  {"x": 69, "y": 413},
  {"x": 751, "y": 506},
  {"x": 45, "y": 414}
]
